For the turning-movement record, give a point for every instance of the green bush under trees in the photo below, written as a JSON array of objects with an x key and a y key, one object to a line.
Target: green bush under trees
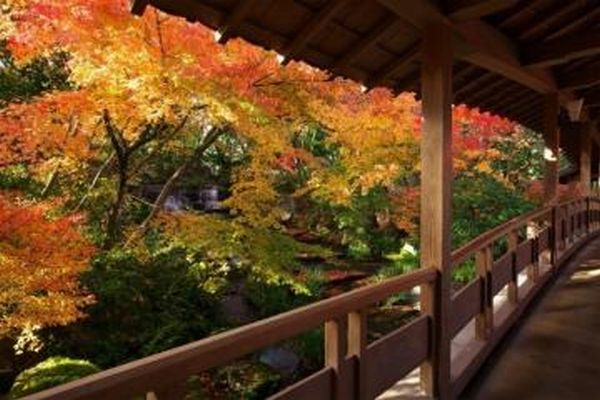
[{"x": 49, "y": 373}]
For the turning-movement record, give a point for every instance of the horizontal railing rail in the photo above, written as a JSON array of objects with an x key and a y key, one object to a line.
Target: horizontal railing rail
[
  {"x": 512, "y": 261},
  {"x": 173, "y": 366},
  {"x": 462, "y": 253}
]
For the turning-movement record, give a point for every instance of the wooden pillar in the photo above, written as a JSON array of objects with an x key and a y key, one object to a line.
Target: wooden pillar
[
  {"x": 551, "y": 140},
  {"x": 585, "y": 158},
  {"x": 436, "y": 193}
]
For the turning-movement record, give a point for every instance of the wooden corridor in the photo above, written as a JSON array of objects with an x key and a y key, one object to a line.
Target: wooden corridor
[
  {"x": 449, "y": 52},
  {"x": 555, "y": 352}
]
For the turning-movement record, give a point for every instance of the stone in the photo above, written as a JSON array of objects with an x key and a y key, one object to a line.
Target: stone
[{"x": 280, "y": 359}]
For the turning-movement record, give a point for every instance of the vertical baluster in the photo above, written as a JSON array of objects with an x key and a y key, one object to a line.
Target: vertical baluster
[
  {"x": 565, "y": 233},
  {"x": 335, "y": 348},
  {"x": 513, "y": 285},
  {"x": 484, "y": 321},
  {"x": 357, "y": 342},
  {"x": 554, "y": 236},
  {"x": 533, "y": 270}
]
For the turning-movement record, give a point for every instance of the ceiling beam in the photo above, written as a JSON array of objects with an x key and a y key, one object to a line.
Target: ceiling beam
[
  {"x": 234, "y": 19},
  {"x": 554, "y": 18},
  {"x": 561, "y": 50},
  {"x": 316, "y": 24},
  {"x": 463, "y": 10},
  {"x": 475, "y": 84},
  {"x": 592, "y": 12},
  {"x": 399, "y": 63},
  {"x": 138, "y": 7},
  {"x": 487, "y": 100},
  {"x": 580, "y": 78},
  {"x": 485, "y": 46},
  {"x": 367, "y": 41},
  {"x": 476, "y": 42}
]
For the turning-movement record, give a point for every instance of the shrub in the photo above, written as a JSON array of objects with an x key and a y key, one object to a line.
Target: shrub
[
  {"x": 144, "y": 306},
  {"x": 51, "y": 372},
  {"x": 274, "y": 297}
]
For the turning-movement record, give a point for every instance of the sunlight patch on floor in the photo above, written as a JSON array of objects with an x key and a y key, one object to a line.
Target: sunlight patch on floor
[
  {"x": 586, "y": 274},
  {"x": 407, "y": 388}
]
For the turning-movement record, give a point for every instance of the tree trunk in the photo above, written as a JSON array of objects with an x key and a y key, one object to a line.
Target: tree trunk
[{"x": 113, "y": 225}]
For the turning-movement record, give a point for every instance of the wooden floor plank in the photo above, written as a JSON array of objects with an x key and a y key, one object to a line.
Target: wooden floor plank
[{"x": 555, "y": 352}]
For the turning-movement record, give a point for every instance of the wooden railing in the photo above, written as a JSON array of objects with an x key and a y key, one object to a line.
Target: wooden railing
[{"x": 513, "y": 262}]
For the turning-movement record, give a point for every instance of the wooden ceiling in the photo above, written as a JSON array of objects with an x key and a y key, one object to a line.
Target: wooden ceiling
[{"x": 509, "y": 53}]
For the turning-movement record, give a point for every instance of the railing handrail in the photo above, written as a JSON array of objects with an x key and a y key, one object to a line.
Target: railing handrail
[
  {"x": 464, "y": 252},
  {"x": 176, "y": 365},
  {"x": 201, "y": 355}
]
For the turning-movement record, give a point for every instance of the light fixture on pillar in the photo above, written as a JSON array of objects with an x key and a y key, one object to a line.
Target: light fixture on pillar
[{"x": 574, "y": 109}]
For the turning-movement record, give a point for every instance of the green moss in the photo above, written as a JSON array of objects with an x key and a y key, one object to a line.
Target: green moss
[{"x": 51, "y": 372}]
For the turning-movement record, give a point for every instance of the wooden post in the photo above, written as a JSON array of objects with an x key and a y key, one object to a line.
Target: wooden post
[
  {"x": 513, "y": 285},
  {"x": 551, "y": 140},
  {"x": 533, "y": 270},
  {"x": 555, "y": 237},
  {"x": 335, "y": 350},
  {"x": 436, "y": 192},
  {"x": 357, "y": 342},
  {"x": 585, "y": 171},
  {"x": 484, "y": 322}
]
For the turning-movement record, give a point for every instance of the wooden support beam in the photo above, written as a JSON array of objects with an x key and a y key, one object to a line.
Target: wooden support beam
[
  {"x": 561, "y": 50},
  {"x": 233, "y": 20},
  {"x": 529, "y": 109},
  {"x": 593, "y": 12},
  {"x": 138, "y": 7},
  {"x": 367, "y": 41},
  {"x": 465, "y": 74},
  {"x": 316, "y": 24},
  {"x": 585, "y": 157},
  {"x": 436, "y": 195},
  {"x": 388, "y": 71},
  {"x": 477, "y": 43},
  {"x": 485, "y": 46},
  {"x": 463, "y": 10},
  {"x": 520, "y": 104},
  {"x": 552, "y": 19},
  {"x": 419, "y": 14},
  {"x": 474, "y": 84},
  {"x": 580, "y": 78},
  {"x": 501, "y": 95},
  {"x": 551, "y": 151},
  {"x": 489, "y": 91}
]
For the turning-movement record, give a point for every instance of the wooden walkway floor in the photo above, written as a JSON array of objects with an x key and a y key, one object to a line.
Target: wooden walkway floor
[{"x": 555, "y": 351}]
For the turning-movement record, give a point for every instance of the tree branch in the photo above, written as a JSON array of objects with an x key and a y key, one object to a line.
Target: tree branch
[
  {"x": 94, "y": 181},
  {"x": 167, "y": 188}
]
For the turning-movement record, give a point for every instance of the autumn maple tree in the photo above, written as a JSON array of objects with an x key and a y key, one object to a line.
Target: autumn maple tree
[
  {"x": 41, "y": 258},
  {"x": 308, "y": 166}
]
